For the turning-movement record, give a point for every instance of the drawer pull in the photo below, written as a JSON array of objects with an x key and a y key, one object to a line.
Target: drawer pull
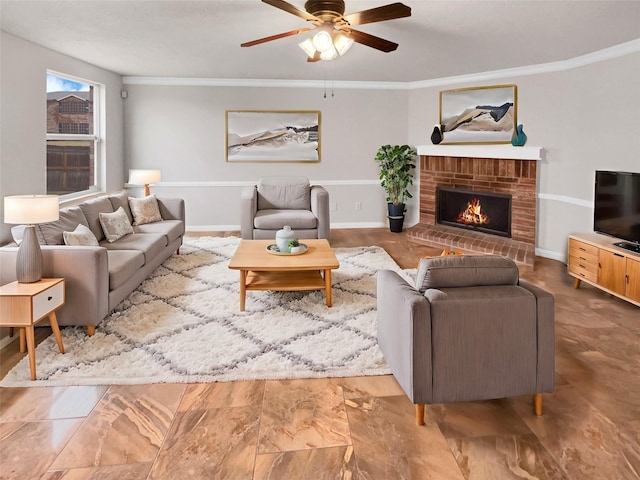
[{"x": 49, "y": 298}]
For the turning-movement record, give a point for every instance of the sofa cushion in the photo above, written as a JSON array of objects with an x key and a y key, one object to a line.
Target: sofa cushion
[
  {"x": 92, "y": 209},
  {"x": 115, "y": 225},
  {"x": 172, "y": 229},
  {"x": 276, "y": 219},
  {"x": 284, "y": 193},
  {"x": 145, "y": 210},
  {"x": 82, "y": 236},
  {"x": 465, "y": 271},
  {"x": 69, "y": 219},
  {"x": 123, "y": 264},
  {"x": 121, "y": 199},
  {"x": 148, "y": 243}
]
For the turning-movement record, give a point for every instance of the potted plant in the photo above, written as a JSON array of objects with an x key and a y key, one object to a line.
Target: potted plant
[{"x": 396, "y": 176}]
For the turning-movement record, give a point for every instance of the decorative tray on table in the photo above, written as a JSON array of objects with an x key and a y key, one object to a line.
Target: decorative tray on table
[{"x": 274, "y": 250}]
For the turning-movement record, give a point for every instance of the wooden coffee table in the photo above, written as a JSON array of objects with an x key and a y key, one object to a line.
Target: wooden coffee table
[{"x": 261, "y": 270}]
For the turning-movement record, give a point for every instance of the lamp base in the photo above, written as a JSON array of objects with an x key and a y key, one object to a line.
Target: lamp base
[{"x": 29, "y": 258}]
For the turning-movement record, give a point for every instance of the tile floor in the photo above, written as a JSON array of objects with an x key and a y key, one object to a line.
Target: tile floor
[{"x": 348, "y": 428}]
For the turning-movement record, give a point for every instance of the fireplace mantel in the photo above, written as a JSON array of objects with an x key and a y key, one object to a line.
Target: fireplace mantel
[{"x": 481, "y": 151}]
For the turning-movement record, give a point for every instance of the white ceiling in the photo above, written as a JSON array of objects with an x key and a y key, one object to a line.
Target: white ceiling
[{"x": 202, "y": 39}]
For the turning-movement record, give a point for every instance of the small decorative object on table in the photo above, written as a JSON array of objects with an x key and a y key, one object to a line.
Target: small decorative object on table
[
  {"x": 294, "y": 246},
  {"x": 299, "y": 250},
  {"x": 283, "y": 237}
]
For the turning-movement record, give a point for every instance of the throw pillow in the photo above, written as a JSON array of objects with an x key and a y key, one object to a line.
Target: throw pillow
[
  {"x": 145, "y": 210},
  {"x": 115, "y": 225},
  {"x": 82, "y": 236}
]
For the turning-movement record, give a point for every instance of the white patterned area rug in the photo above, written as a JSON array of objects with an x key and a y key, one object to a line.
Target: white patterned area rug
[{"x": 183, "y": 324}]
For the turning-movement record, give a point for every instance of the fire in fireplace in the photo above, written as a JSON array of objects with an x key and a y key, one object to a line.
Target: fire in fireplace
[{"x": 482, "y": 211}]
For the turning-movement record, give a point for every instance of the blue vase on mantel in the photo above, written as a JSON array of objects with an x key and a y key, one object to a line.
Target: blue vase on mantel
[{"x": 519, "y": 137}]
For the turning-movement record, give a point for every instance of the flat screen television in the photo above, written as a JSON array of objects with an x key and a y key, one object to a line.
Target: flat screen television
[{"x": 617, "y": 207}]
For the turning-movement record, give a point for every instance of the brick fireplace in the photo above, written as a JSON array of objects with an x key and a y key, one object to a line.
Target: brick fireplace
[{"x": 480, "y": 169}]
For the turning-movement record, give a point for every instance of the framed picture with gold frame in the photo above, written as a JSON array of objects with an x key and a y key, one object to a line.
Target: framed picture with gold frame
[
  {"x": 273, "y": 135},
  {"x": 479, "y": 114}
]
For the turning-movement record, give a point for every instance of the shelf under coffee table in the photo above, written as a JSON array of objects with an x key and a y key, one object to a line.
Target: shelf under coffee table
[{"x": 260, "y": 270}]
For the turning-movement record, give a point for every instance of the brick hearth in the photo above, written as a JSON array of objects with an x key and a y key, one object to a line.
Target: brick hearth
[{"x": 509, "y": 176}]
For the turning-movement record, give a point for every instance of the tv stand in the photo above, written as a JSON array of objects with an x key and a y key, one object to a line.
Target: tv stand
[
  {"x": 605, "y": 263},
  {"x": 634, "y": 247}
]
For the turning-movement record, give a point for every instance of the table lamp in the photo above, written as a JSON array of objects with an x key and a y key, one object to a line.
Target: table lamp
[
  {"x": 144, "y": 177},
  {"x": 30, "y": 210}
]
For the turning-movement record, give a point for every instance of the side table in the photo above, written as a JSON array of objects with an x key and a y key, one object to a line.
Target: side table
[{"x": 25, "y": 304}]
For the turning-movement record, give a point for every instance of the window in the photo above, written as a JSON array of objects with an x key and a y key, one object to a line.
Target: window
[{"x": 72, "y": 135}]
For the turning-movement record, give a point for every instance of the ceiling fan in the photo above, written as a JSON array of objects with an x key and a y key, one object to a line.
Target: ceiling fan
[{"x": 335, "y": 34}]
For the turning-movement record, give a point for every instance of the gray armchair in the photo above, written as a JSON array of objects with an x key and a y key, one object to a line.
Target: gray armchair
[
  {"x": 469, "y": 330},
  {"x": 278, "y": 201}
]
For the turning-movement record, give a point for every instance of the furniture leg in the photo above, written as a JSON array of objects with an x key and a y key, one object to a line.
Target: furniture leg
[
  {"x": 10, "y": 331},
  {"x": 243, "y": 288},
  {"x": 327, "y": 286},
  {"x": 537, "y": 403},
  {"x": 178, "y": 251},
  {"x": 23, "y": 344},
  {"x": 420, "y": 413},
  {"x": 91, "y": 330},
  {"x": 576, "y": 283},
  {"x": 31, "y": 349},
  {"x": 53, "y": 320}
]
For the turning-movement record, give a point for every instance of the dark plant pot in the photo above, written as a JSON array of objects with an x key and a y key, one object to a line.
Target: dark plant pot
[
  {"x": 395, "y": 223},
  {"x": 396, "y": 210}
]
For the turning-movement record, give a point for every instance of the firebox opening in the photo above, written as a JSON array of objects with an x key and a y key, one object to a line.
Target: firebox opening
[{"x": 481, "y": 211}]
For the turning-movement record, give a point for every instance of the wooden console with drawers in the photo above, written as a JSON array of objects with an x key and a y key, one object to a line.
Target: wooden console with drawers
[{"x": 593, "y": 258}]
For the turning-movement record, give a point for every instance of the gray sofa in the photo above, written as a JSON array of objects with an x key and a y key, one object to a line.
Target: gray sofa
[
  {"x": 278, "y": 201},
  {"x": 98, "y": 278},
  {"x": 470, "y": 329}
]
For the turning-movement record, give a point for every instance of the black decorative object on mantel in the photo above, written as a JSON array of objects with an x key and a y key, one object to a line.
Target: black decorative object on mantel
[
  {"x": 519, "y": 137},
  {"x": 436, "y": 136}
]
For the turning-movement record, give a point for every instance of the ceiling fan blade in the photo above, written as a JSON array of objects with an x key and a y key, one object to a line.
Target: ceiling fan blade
[
  {"x": 315, "y": 58},
  {"x": 274, "y": 37},
  {"x": 371, "y": 41},
  {"x": 379, "y": 14},
  {"x": 287, "y": 7}
]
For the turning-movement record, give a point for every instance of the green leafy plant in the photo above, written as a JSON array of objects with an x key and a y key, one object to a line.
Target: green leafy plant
[
  {"x": 294, "y": 243},
  {"x": 396, "y": 171}
]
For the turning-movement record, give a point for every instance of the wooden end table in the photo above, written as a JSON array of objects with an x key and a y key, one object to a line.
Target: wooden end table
[
  {"x": 23, "y": 305},
  {"x": 261, "y": 270}
]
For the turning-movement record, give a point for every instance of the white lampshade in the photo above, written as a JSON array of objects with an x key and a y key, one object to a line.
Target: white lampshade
[
  {"x": 31, "y": 209},
  {"x": 144, "y": 177},
  {"x": 330, "y": 54},
  {"x": 342, "y": 43},
  {"x": 322, "y": 41},
  {"x": 308, "y": 48}
]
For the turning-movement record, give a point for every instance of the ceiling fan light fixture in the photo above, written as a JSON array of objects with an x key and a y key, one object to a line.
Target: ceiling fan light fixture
[
  {"x": 322, "y": 41},
  {"x": 342, "y": 43}
]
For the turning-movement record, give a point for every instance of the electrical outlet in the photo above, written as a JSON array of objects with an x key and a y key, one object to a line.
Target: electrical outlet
[
  {"x": 333, "y": 207},
  {"x": 358, "y": 206}
]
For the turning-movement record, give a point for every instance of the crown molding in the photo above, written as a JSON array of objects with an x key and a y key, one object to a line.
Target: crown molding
[{"x": 616, "y": 51}]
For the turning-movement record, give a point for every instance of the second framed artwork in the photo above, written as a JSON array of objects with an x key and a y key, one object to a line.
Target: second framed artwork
[
  {"x": 479, "y": 115},
  {"x": 273, "y": 136}
]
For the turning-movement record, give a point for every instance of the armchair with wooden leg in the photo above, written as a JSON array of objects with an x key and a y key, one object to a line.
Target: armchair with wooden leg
[{"x": 469, "y": 330}]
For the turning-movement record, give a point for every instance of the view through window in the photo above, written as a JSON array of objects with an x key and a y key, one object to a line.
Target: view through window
[{"x": 71, "y": 135}]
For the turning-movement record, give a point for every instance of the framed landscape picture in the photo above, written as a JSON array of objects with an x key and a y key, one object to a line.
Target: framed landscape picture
[
  {"x": 273, "y": 136},
  {"x": 478, "y": 115}
]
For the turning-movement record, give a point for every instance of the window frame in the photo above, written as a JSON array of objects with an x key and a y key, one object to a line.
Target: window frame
[{"x": 96, "y": 137}]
